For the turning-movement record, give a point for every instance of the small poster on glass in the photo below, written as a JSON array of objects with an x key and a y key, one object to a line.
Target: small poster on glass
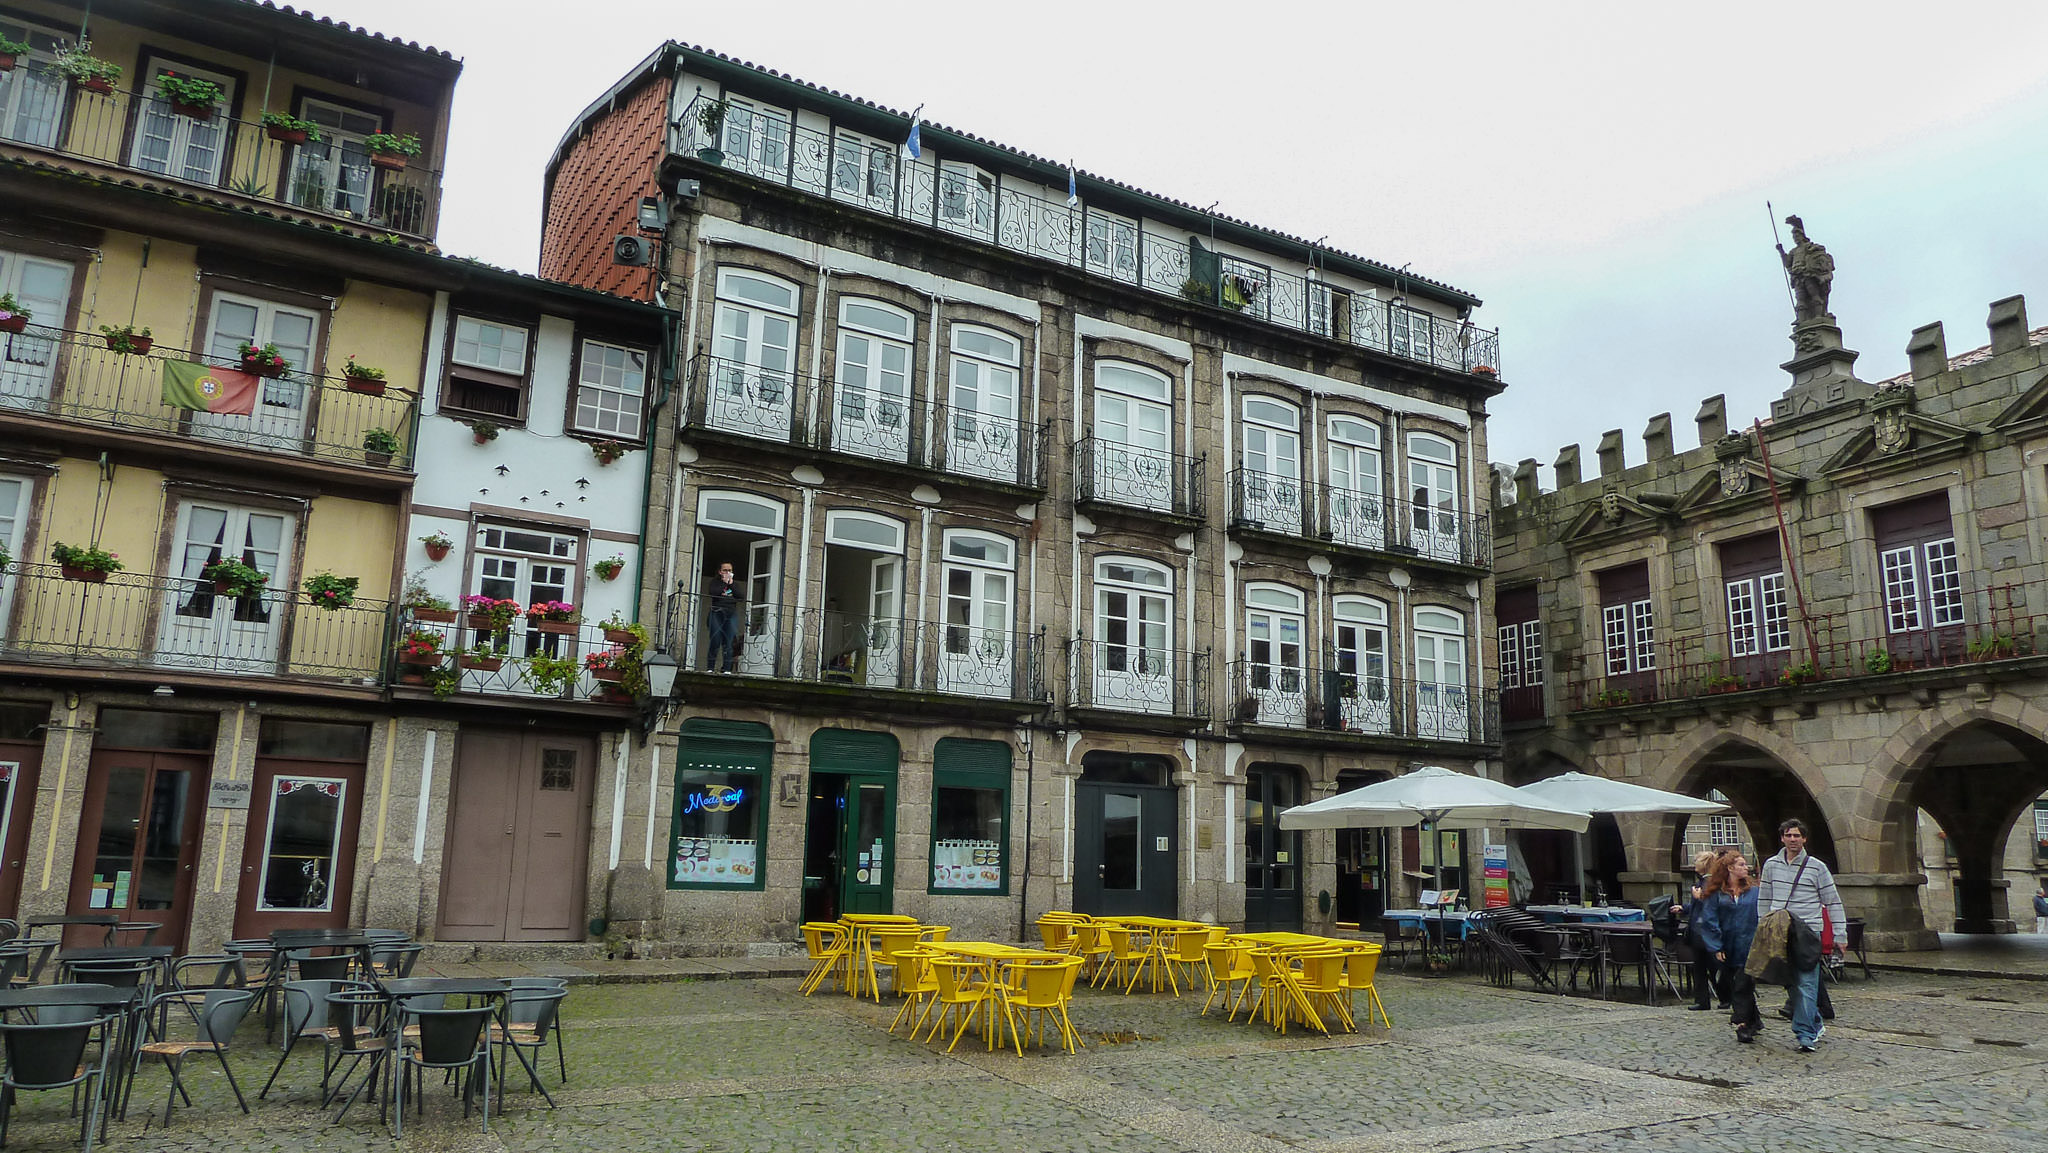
[
  {"x": 714, "y": 861},
  {"x": 967, "y": 865}
]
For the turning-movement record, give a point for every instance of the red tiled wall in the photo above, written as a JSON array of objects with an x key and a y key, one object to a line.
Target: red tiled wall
[{"x": 597, "y": 195}]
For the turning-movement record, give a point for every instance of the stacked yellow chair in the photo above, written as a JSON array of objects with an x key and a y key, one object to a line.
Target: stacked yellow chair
[
  {"x": 918, "y": 982},
  {"x": 1091, "y": 943},
  {"x": 1188, "y": 953},
  {"x": 1229, "y": 964},
  {"x": 1321, "y": 981},
  {"x": 828, "y": 948},
  {"x": 960, "y": 996},
  {"x": 885, "y": 948}
]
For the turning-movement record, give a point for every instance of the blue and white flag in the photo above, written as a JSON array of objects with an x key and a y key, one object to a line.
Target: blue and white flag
[
  {"x": 1073, "y": 192},
  {"x": 913, "y": 146}
]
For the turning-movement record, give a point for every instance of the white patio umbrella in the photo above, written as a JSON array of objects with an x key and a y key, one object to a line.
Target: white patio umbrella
[
  {"x": 1439, "y": 798},
  {"x": 1605, "y": 795}
]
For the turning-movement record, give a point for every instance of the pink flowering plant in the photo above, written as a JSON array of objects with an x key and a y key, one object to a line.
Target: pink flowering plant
[
  {"x": 89, "y": 557},
  {"x": 331, "y": 592},
  {"x": 499, "y": 613},
  {"x": 551, "y": 611}
]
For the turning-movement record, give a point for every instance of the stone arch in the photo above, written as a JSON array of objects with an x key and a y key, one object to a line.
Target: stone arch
[
  {"x": 1974, "y": 766},
  {"x": 1766, "y": 776}
]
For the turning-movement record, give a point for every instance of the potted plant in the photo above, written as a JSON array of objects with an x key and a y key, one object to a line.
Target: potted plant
[
  {"x": 484, "y": 658},
  {"x": 607, "y": 664},
  {"x": 490, "y": 614},
  {"x": 620, "y": 631},
  {"x": 189, "y": 96},
  {"x": 1612, "y": 698},
  {"x": 13, "y": 317},
  {"x": 285, "y": 128},
  {"x": 437, "y": 545},
  {"x": 420, "y": 648},
  {"x": 423, "y": 605},
  {"x": 1484, "y": 370},
  {"x": 123, "y": 338},
  {"x": 378, "y": 446},
  {"x": 232, "y": 578},
  {"x": 1198, "y": 290},
  {"x": 1724, "y": 683},
  {"x": 483, "y": 431},
  {"x": 89, "y": 563},
  {"x": 362, "y": 378},
  {"x": 9, "y": 50},
  {"x": 711, "y": 117},
  {"x": 390, "y": 149},
  {"x": 610, "y": 567},
  {"x": 550, "y": 675},
  {"x": 262, "y": 361},
  {"x": 5, "y": 559},
  {"x": 1992, "y": 647},
  {"x": 558, "y": 617},
  {"x": 1437, "y": 959},
  {"x": 331, "y": 592},
  {"x": 1878, "y": 662},
  {"x": 76, "y": 63},
  {"x": 442, "y": 681},
  {"x": 1799, "y": 674},
  {"x": 1247, "y": 709},
  {"x": 607, "y": 451}
]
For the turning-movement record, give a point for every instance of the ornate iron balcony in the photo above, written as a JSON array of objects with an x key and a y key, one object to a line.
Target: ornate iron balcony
[
  {"x": 1138, "y": 678},
  {"x": 1369, "y": 703},
  {"x": 1113, "y": 473}
]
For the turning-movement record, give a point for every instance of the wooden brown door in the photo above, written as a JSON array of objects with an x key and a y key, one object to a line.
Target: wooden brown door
[
  {"x": 138, "y": 841},
  {"x": 298, "y": 861},
  {"x": 518, "y": 838},
  {"x": 20, "y": 762}
]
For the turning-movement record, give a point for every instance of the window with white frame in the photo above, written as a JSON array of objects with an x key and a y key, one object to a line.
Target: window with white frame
[
  {"x": 1360, "y": 628},
  {"x": 305, "y": 823},
  {"x": 1753, "y": 582},
  {"x": 980, "y": 582},
  {"x": 967, "y": 199},
  {"x": 982, "y": 379},
  {"x": 872, "y": 384},
  {"x": 528, "y": 564},
  {"x": 334, "y": 173},
  {"x": 1112, "y": 246},
  {"x": 281, "y": 406},
  {"x": 1919, "y": 570},
  {"x": 1275, "y": 629},
  {"x": 1133, "y": 626},
  {"x": 1628, "y": 626},
  {"x": 211, "y": 624},
  {"x": 1725, "y": 828},
  {"x": 32, "y": 94},
  {"x": 757, "y": 138},
  {"x": 172, "y": 144},
  {"x": 1270, "y": 493},
  {"x": 1443, "y": 706},
  {"x": 2041, "y": 829},
  {"x": 863, "y": 170},
  {"x": 611, "y": 390},
  {"x": 28, "y": 359},
  {"x": 1409, "y": 331},
  {"x": 755, "y": 349},
  {"x": 14, "y": 493},
  {"x": 487, "y": 368},
  {"x": 1133, "y": 432}
]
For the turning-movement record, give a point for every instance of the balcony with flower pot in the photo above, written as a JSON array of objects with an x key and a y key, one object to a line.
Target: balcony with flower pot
[
  {"x": 89, "y": 387},
  {"x": 494, "y": 650}
]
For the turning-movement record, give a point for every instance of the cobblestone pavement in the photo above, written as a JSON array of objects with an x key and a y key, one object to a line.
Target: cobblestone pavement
[{"x": 1915, "y": 1063}]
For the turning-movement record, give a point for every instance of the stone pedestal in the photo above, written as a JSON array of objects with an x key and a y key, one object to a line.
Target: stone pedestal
[
  {"x": 1638, "y": 888},
  {"x": 1889, "y": 904},
  {"x": 1822, "y": 371}
]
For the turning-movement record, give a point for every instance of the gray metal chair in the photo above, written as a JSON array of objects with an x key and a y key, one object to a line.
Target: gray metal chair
[
  {"x": 51, "y": 1055},
  {"x": 525, "y": 1014},
  {"x": 215, "y": 1015},
  {"x": 305, "y": 1018},
  {"x": 530, "y": 1016},
  {"x": 458, "y": 1040}
]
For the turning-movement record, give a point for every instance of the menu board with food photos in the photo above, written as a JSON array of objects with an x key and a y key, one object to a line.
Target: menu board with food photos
[
  {"x": 714, "y": 861},
  {"x": 967, "y": 865}
]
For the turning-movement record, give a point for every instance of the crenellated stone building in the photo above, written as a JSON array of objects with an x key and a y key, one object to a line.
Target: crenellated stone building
[{"x": 1836, "y": 613}]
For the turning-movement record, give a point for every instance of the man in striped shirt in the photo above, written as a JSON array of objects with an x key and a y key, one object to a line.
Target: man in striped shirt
[{"x": 1796, "y": 881}]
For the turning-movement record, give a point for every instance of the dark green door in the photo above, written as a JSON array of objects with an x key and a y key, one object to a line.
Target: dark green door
[{"x": 858, "y": 769}]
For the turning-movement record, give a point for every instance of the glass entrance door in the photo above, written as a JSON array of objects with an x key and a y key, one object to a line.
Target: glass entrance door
[
  {"x": 1272, "y": 856},
  {"x": 139, "y": 840},
  {"x": 1124, "y": 858}
]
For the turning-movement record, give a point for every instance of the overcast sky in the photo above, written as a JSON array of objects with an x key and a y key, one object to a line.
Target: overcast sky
[{"x": 1597, "y": 173}]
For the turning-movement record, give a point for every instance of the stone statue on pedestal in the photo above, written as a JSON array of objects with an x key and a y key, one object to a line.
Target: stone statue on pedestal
[{"x": 1812, "y": 271}]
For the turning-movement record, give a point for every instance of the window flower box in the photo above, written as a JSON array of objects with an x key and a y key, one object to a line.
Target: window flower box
[
  {"x": 265, "y": 361},
  {"x": 285, "y": 128},
  {"x": 362, "y": 378},
  {"x": 557, "y": 628},
  {"x": 433, "y": 616},
  {"x": 89, "y": 563},
  {"x": 480, "y": 663},
  {"x": 13, "y": 317},
  {"x": 619, "y": 636},
  {"x": 390, "y": 151},
  {"x": 126, "y": 339},
  {"x": 91, "y": 576}
]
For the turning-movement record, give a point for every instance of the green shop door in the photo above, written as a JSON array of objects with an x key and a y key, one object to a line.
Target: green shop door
[{"x": 850, "y": 844}]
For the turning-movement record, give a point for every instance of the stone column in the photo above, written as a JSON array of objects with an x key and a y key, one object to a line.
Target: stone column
[{"x": 1889, "y": 904}]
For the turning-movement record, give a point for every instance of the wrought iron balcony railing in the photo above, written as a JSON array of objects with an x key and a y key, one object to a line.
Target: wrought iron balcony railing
[
  {"x": 523, "y": 659},
  {"x": 1972, "y": 626},
  {"x": 826, "y": 646},
  {"x": 773, "y": 405},
  {"x": 1019, "y": 217},
  {"x": 1111, "y": 472},
  {"x": 1440, "y": 535},
  {"x": 1267, "y": 502},
  {"x": 238, "y": 159},
  {"x": 145, "y": 620},
  {"x": 1338, "y": 700},
  {"x": 1134, "y": 678},
  {"x": 74, "y": 376}
]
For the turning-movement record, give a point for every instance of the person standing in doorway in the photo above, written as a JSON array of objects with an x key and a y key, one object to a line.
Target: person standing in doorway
[
  {"x": 1727, "y": 928},
  {"x": 2041, "y": 908},
  {"x": 724, "y": 619},
  {"x": 1794, "y": 880}
]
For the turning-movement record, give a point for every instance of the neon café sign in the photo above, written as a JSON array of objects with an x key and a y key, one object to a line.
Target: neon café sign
[{"x": 714, "y": 799}]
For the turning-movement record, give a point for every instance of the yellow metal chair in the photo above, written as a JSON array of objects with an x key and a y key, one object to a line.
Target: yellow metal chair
[
  {"x": 885, "y": 947},
  {"x": 1361, "y": 965},
  {"x": 1091, "y": 944},
  {"x": 1229, "y": 964},
  {"x": 1044, "y": 990},
  {"x": 1058, "y": 931},
  {"x": 1321, "y": 981},
  {"x": 828, "y": 947},
  {"x": 1280, "y": 994},
  {"x": 962, "y": 993},
  {"x": 934, "y": 934},
  {"x": 1123, "y": 956},
  {"x": 1187, "y": 951},
  {"x": 918, "y": 983}
]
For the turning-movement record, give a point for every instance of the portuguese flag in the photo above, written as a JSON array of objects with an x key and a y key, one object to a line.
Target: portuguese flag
[{"x": 204, "y": 388}]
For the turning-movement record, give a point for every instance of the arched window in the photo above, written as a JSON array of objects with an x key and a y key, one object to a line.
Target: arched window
[
  {"x": 1443, "y": 705},
  {"x": 871, "y": 409},
  {"x": 864, "y": 530},
  {"x": 1269, "y": 488},
  {"x": 1131, "y": 453},
  {"x": 980, "y": 578},
  {"x": 754, "y": 351},
  {"x": 1356, "y": 509},
  {"x": 1132, "y": 654},
  {"x": 982, "y": 433},
  {"x": 1275, "y": 644}
]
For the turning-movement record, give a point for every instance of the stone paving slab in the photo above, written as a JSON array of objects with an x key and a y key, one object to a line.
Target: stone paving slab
[{"x": 1915, "y": 1063}]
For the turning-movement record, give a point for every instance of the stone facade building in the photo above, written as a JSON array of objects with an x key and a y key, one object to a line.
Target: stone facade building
[
  {"x": 1075, "y": 532},
  {"x": 1834, "y": 614}
]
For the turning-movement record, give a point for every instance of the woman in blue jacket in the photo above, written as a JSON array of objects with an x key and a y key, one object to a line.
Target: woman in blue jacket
[{"x": 1727, "y": 927}]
